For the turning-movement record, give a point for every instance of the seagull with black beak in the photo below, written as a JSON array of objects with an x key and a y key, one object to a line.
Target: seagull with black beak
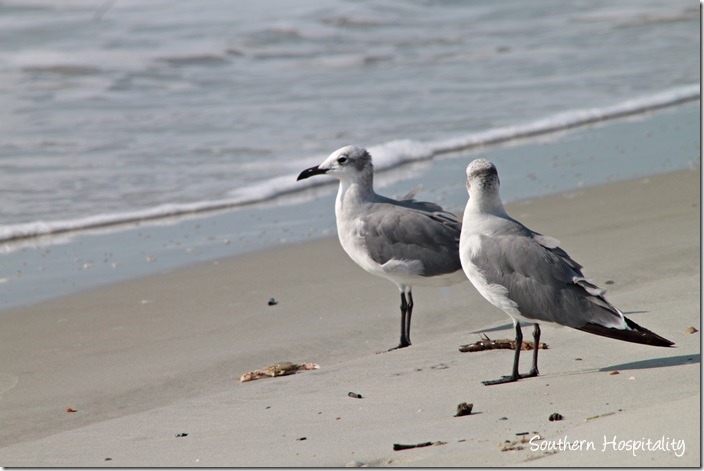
[{"x": 407, "y": 242}]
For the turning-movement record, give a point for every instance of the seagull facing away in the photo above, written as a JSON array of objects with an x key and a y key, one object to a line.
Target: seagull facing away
[
  {"x": 407, "y": 242},
  {"x": 529, "y": 277}
]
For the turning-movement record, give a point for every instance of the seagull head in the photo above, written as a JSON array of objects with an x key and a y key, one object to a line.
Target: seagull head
[
  {"x": 482, "y": 177},
  {"x": 346, "y": 163},
  {"x": 483, "y": 189}
]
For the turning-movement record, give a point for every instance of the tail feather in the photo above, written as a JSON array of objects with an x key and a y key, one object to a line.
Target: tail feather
[{"x": 638, "y": 334}]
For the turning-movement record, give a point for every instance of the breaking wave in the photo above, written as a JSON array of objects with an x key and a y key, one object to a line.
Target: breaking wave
[{"x": 387, "y": 155}]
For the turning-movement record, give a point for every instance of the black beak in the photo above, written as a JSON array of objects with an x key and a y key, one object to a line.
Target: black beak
[{"x": 309, "y": 172}]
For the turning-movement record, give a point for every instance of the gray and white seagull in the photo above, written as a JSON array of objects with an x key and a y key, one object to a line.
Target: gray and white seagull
[
  {"x": 529, "y": 277},
  {"x": 407, "y": 242}
]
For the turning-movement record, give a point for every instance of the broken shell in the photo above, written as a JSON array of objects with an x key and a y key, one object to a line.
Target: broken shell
[{"x": 690, "y": 330}]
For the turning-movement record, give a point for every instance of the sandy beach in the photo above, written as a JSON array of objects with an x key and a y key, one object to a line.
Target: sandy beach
[{"x": 151, "y": 366}]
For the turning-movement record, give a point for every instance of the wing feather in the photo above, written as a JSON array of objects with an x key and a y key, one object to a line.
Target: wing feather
[
  {"x": 414, "y": 231},
  {"x": 543, "y": 280}
]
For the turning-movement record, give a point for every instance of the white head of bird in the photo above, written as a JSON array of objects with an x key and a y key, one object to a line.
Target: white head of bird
[
  {"x": 483, "y": 188},
  {"x": 349, "y": 163}
]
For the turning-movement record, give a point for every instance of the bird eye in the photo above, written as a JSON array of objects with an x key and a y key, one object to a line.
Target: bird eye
[{"x": 342, "y": 159}]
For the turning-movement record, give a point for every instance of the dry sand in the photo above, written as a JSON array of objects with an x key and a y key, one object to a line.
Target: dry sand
[{"x": 146, "y": 360}]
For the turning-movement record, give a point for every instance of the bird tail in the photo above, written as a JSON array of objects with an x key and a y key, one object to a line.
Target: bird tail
[{"x": 635, "y": 334}]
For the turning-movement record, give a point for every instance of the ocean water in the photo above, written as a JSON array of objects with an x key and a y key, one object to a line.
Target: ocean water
[
  {"x": 124, "y": 110},
  {"x": 40, "y": 268},
  {"x": 139, "y": 137}
]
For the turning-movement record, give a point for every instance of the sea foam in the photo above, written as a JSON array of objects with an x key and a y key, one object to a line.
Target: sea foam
[{"x": 386, "y": 155}]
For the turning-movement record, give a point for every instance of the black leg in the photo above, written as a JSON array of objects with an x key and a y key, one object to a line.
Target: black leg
[
  {"x": 409, "y": 312},
  {"x": 517, "y": 353},
  {"x": 536, "y": 343},
  {"x": 516, "y": 356},
  {"x": 405, "y": 323}
]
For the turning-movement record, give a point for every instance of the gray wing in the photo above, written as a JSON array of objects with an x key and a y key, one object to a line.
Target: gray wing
[
  {"x": 542, "y": 279},
  {"x": 412, "y": 230}
]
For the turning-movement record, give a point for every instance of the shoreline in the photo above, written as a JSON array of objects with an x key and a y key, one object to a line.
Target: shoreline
[
  {"x": 50, "y": 267},
  {"x": 637, "y": 108},
  {"x": 146, "y": 359}
]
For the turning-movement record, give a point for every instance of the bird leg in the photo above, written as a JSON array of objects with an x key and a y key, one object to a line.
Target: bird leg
[
  {"x": 409, "y": 311},
  {"x": 536, "y": 341},
  {"x": 516, "y": 356},
  {"x": 406, "y": 310}
]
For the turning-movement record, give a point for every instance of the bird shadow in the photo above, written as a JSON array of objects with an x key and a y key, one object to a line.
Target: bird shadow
[{"x": 656, "y": 363}]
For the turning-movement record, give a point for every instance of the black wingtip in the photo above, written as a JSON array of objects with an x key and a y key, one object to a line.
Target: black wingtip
[
  {"x": 638, "y": 334},
  {"x": 309, "y": 172}
]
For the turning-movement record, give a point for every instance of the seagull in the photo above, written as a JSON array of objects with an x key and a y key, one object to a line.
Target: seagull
[
  {"x": 408, "y": 242},
  {"x": 529, "y": 277}
]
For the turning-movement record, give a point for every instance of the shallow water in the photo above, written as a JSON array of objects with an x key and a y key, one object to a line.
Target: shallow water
[
  {"x": 41, "y": 268},
  {"x": 117, "y": 110}
]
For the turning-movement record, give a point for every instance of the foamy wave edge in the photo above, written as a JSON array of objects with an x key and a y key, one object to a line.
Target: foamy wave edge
[{"x": 388, "y": 155}]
